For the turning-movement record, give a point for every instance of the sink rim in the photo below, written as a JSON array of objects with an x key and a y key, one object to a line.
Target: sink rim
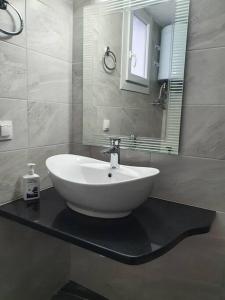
[{"x": 154, "y": 173}]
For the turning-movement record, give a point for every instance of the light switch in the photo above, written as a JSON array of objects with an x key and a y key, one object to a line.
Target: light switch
[
  {"x": 106, "y": 125},
  {"x": 6, "y": 130}
]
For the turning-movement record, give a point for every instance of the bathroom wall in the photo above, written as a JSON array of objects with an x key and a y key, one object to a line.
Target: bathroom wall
[
  {"x": 36, "y": 94},
  {"x": 129, "y": 113},
  {"x": 195, "y": 269},
  {"x": 35, "y": 89}
]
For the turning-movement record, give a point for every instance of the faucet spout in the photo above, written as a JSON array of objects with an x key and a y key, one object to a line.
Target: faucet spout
[{"x": 114, "y": 152}]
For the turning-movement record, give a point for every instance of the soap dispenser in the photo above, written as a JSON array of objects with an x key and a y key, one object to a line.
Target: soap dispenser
[{"x": 31, "y": 184}]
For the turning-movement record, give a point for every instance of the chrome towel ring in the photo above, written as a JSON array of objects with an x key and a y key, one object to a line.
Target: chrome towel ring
[
  {"x": 109, "y": 53},
  {"x": 3, "y": 5}
]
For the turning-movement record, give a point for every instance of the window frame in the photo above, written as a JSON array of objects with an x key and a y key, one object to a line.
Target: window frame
[
  {"x": 130, "y": 82},
  {"x": 145, "y": 18}
]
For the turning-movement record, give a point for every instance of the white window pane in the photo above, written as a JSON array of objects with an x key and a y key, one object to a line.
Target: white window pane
[{"x": 139, "y": 48}]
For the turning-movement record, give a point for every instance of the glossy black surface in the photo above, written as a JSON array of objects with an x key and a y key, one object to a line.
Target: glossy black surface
[
  {"x": 74, "y": 291},
  {"x": 150, "y": 231}
]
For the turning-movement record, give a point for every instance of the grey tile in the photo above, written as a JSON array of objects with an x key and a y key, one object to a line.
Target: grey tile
[
  {"x": 142, "y": 122},
  {"x": 106, "y": 91},
  {"x": 114, "y": 114},
  {"x": 207, "y": 24},
  {"x": 49, "y": 27},
  {"x": 218, "y": 228},
  {"x": 79, "y": 149},
  {"x": 77, "y": 123},
  {"x": 186, "y": 272},
  {"x": 10, "y": 22},
  {"x": 135, "y": 158},
  {"x": 90, "y": 121},
  {"x": 126, "y": 121},
  {"x": 96, "y": 152},
  {"x": 12, "y": 71},
  {"x": 39, "y": 156},
  {"x": 48, "y": 123},
  {"x": 16, "y": 111},
  {"x": 188, "y": 180},
  {"x": 78, "y": 38},
  {"x": 77, "y": 83},
  {"x": 28, "y": 254},
  {"x": 203, "y": 131},
  {"x": 136, "y": 100},
  {"x": 13, "y": 166},
  {"x": 49, "y": 79},
  {"x": 204, "y": 82}
]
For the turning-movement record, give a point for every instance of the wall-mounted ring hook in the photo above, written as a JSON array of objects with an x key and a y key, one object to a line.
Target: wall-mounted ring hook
[
  {"x": 4, "y": 5},
  {"x": 109, "y": 53}
]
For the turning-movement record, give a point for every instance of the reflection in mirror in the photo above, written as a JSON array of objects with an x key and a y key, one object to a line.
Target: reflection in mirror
[{"x": 133, "y": 66}]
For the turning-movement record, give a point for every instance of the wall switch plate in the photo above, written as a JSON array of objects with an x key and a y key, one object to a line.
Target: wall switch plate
[
  {"x": 106, "y": 125},
  {"x": 6, "y": 130}
]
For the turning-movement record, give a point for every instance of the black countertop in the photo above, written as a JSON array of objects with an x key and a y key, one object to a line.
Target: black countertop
[{"x": 149, "y": 232}]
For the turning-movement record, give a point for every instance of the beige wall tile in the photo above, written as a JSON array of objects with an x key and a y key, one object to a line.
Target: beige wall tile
[
  {"x": 13, "y": 166},
  {"x": 13, "y": 71},
  {"x": 49, "y": 79},
  {"x": 49, "y": 123},
  {"x": 49, "y": 27},
  {"x": 207, "y": 24},
  {"x": 15, "y": 110}
]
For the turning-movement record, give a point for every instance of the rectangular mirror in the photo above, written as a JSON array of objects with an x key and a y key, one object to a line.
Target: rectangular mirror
[{"x": 133, "y": 73}]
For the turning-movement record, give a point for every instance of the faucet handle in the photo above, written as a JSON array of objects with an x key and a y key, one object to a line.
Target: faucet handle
[{"x": 115, "y": 141}]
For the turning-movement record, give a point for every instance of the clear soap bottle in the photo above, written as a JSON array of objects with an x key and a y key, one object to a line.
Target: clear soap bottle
[{"x": 31, "y": 184}]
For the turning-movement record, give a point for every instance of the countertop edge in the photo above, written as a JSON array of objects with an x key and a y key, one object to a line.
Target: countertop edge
[{"x": 129, "y": 260}]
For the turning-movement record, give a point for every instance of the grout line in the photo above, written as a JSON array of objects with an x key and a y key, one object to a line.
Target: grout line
[
  {"x": 12, "y": 44},
  {"x": 203, "y": 105},
  {"x": 180, "y": 156},
  {"x": 53, "y": 57},
  {"x": 13, "y": 99},
  {"x": 36, "y": 100},
  {"x": 35, "y": 147},
  {"x": 205, "y": 49},
  {"x": 50, "y": 102},
  {"x": 26, "y": 48},
  {"x": 200, "y": 157}
]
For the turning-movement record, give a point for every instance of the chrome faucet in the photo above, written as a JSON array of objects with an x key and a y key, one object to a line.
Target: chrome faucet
[{"x": 114, "y": 152}]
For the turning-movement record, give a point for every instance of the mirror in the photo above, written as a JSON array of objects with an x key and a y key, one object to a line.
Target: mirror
[{"x": 133, "y": 73}]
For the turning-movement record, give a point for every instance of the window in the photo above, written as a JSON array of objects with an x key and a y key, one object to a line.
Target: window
[{"x": 136, "y": 51}]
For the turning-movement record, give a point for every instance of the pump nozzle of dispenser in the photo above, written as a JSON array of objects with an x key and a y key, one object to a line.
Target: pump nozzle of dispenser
[{"x": 31, "y": 168}]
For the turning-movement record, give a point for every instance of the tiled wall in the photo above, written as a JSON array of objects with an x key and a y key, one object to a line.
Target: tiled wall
[
  {"x": 36, "y": 94},
  {"x": 197, "y": 175},
  {"x": 35, "y": 89},
  {"x": 33, "y": 265},
  {"x": 194, "y": 269},
  {"x": 77, "y": 79}
]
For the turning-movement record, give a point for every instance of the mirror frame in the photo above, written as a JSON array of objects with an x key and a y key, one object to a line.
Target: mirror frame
[{"x": 176, "y": 84}]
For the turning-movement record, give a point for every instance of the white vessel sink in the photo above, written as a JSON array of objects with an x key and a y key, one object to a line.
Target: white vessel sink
[{"x": 90, "y": 187}]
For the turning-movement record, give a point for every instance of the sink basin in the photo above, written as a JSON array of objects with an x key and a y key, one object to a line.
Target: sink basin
[{"x": 90, "y": 187}]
